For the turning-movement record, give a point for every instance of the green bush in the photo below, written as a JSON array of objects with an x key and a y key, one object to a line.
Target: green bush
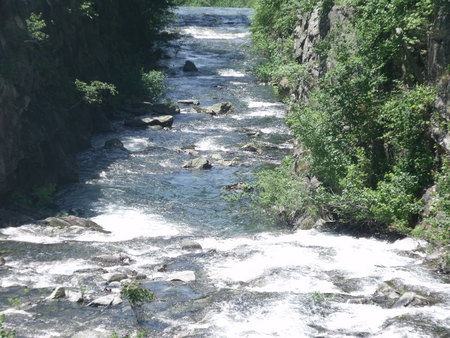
[
  {"x": 153, "y": 84},
  {"x": 96, "y": 91},
  {"x": 285, "y": 194}
]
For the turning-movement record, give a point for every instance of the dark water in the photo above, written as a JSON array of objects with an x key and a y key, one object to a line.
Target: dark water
[{"x": 252, "y": 278}]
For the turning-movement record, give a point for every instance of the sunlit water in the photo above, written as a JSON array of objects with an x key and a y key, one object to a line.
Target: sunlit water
[{"x": 253, "y": 277}]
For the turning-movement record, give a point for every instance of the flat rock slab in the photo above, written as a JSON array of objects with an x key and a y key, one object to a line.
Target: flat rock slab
[
  {"x": 72, "y": 221},
  {"x": 109, "y": 300}
]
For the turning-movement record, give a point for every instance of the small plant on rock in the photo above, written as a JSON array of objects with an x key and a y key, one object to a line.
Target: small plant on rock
[
  {"x": 137, "y": 295},
  {"x": 5, "y": 333}
]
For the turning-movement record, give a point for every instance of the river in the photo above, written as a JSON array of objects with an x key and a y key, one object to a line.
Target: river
[{"x": 251, "y": 277}]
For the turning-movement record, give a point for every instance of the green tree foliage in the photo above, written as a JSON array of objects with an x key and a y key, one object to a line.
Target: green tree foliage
[{"x": 365, "y": 123}]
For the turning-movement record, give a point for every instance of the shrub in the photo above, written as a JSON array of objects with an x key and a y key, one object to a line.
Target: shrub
[
  {"x": 137, "y": 295},
  {"x": 96, "y": 91},
  {"x": 153, "y": 83}
]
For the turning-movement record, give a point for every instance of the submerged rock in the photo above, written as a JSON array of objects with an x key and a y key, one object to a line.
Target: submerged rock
[
  {"x": 114, "y": 143},
  {"x": 72, "y": 221},
  {"x": 2, "y": 261},
  {"x": 198, "y": 163},
  {"x": 189, "y": 66},
  {"x": 176, "y": 276},
  {"x": 188, "y": 244},
  {"x": 112, "y": 260},
  {"x": 162, "y": 121},
  {"x": 216, "y": 109}
]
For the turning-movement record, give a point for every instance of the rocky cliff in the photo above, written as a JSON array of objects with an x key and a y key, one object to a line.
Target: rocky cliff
[{"x": 45, "y": 46}]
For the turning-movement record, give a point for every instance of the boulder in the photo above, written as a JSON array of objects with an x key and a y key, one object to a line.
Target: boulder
[
  {"x": 189, "y": 66},
  {"x": 58, "y": 293},
  {"x": 109, "y": 300},
  {"x": 114, "y": 277},
  {"x": 72, "y": 221},
  {"x": 162, "y": 121},
  {"x": 188, "y": 244},
  {"x": 114, "y": 143},
  {"x": 193, "y": 102},
  {"x": 112, "y": 260},
  {"x": 216, "y": 109},
  {"x": 198, "y": 163}
]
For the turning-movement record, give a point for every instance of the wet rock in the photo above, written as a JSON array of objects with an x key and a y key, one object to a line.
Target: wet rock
[
  {"x": 72, "y": 221},
  {"x": 405, "y": 300},
  {"x": 92, "y": 334},
  {"x": 189, "y": 66},
  {"x": 114, "y": 277},
  {"x": 250, "y": 132},
  {"x": 198, "y": 163},
  {"x": 114, "y": 143},
  {"x": 251, "y": 148},
  {"x": 91, "y": 270},
  {"x": 74, "y": 297},
  {"x": 161, "y": 268},
  {"x": 193, "y": 102},
  {"x": 58, "y": 293},
  {"x": 109, "y": 300},
  {"x": 216, "y": 109},
  {"x": 188, "y": 244},
  {"x": 2, "y": 261},
  {"x": 161, "y": 121},
  {"x": 112, "y": 260},
  {"x": 229, "y": 163},
  {"x": 385, "y": 295}
]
